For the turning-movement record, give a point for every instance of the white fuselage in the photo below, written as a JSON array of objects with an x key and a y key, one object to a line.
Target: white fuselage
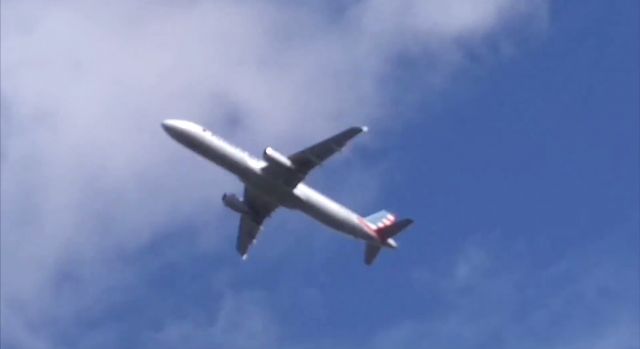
[{"x": 250, "y": 171}]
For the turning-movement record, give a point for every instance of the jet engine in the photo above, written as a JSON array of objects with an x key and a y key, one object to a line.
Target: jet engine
[
  {"x": 235, "y": 203},
  {"x": 271, "y": 156}
]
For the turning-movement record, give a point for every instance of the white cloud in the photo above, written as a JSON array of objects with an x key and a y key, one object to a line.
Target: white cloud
[
  {"x": 510, "y": 298},
  {"x": 87, "y": 173},
  {"x": 243, "y": 322}
]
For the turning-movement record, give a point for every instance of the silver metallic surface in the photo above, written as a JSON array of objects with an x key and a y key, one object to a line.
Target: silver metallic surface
[{"x": 273, "y": 181}]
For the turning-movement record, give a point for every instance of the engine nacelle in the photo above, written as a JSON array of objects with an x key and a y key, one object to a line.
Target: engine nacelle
[
  {"x": 235, "y": 203},
  {"x": 271, "y": 156}
]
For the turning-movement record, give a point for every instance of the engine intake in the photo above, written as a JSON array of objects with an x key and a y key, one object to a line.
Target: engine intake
[
  {"x": 271, "y": 156},
  {"x": 235, "y": 203}
]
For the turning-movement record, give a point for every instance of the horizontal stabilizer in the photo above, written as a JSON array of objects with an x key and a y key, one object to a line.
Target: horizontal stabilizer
[
  {"x": 370, "y": 253},
  {"x": 395, "y": 228}
]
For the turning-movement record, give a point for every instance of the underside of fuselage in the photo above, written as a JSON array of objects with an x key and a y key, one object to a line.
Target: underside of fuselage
[
  {"x": 309, "y": 201},
  {"x": 300, "y": 197},
  {"x": 276, "y": 181}
]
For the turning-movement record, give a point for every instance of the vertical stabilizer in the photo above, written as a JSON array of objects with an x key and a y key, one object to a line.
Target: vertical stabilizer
[
  {"x": 380, "y": 220},
  {"x": 385, "y": 225}
]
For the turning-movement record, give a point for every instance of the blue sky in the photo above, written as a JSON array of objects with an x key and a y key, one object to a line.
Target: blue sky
[{"x": 508, "y": 131}]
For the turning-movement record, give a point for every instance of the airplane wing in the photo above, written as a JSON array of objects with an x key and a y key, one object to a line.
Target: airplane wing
[
  {"x": 307, "y": 159},
  {"x": 302, "y": 162},
  {"x": 250, "y": 224}
]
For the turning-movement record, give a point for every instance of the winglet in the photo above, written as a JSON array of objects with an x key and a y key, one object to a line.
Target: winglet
[{"x": 364, "y": 128}]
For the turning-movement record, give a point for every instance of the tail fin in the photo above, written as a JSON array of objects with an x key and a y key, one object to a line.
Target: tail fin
[
  {"x": 393, "y": 230},
  {"x": 380, "y": 219},
  {"x": 385, "y": 225}
]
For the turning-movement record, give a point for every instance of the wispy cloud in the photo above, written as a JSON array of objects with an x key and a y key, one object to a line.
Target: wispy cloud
[
  {"x": 505, "y": 299},
  {"x": 241, "y": 322},
  {"x": 85, "y": 84}
]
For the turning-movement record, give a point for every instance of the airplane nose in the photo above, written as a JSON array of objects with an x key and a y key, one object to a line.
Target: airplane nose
[
  {"x": 173, "y": 127},
  {"x": 180, "y": 130},
  {"x": 169, "y": 124}
]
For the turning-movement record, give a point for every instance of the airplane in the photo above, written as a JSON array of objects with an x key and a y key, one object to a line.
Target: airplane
[{"x": 277, "y": 180}]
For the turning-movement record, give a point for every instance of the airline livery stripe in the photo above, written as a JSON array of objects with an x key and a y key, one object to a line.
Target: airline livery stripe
[{"x": 369, "y": 227}]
